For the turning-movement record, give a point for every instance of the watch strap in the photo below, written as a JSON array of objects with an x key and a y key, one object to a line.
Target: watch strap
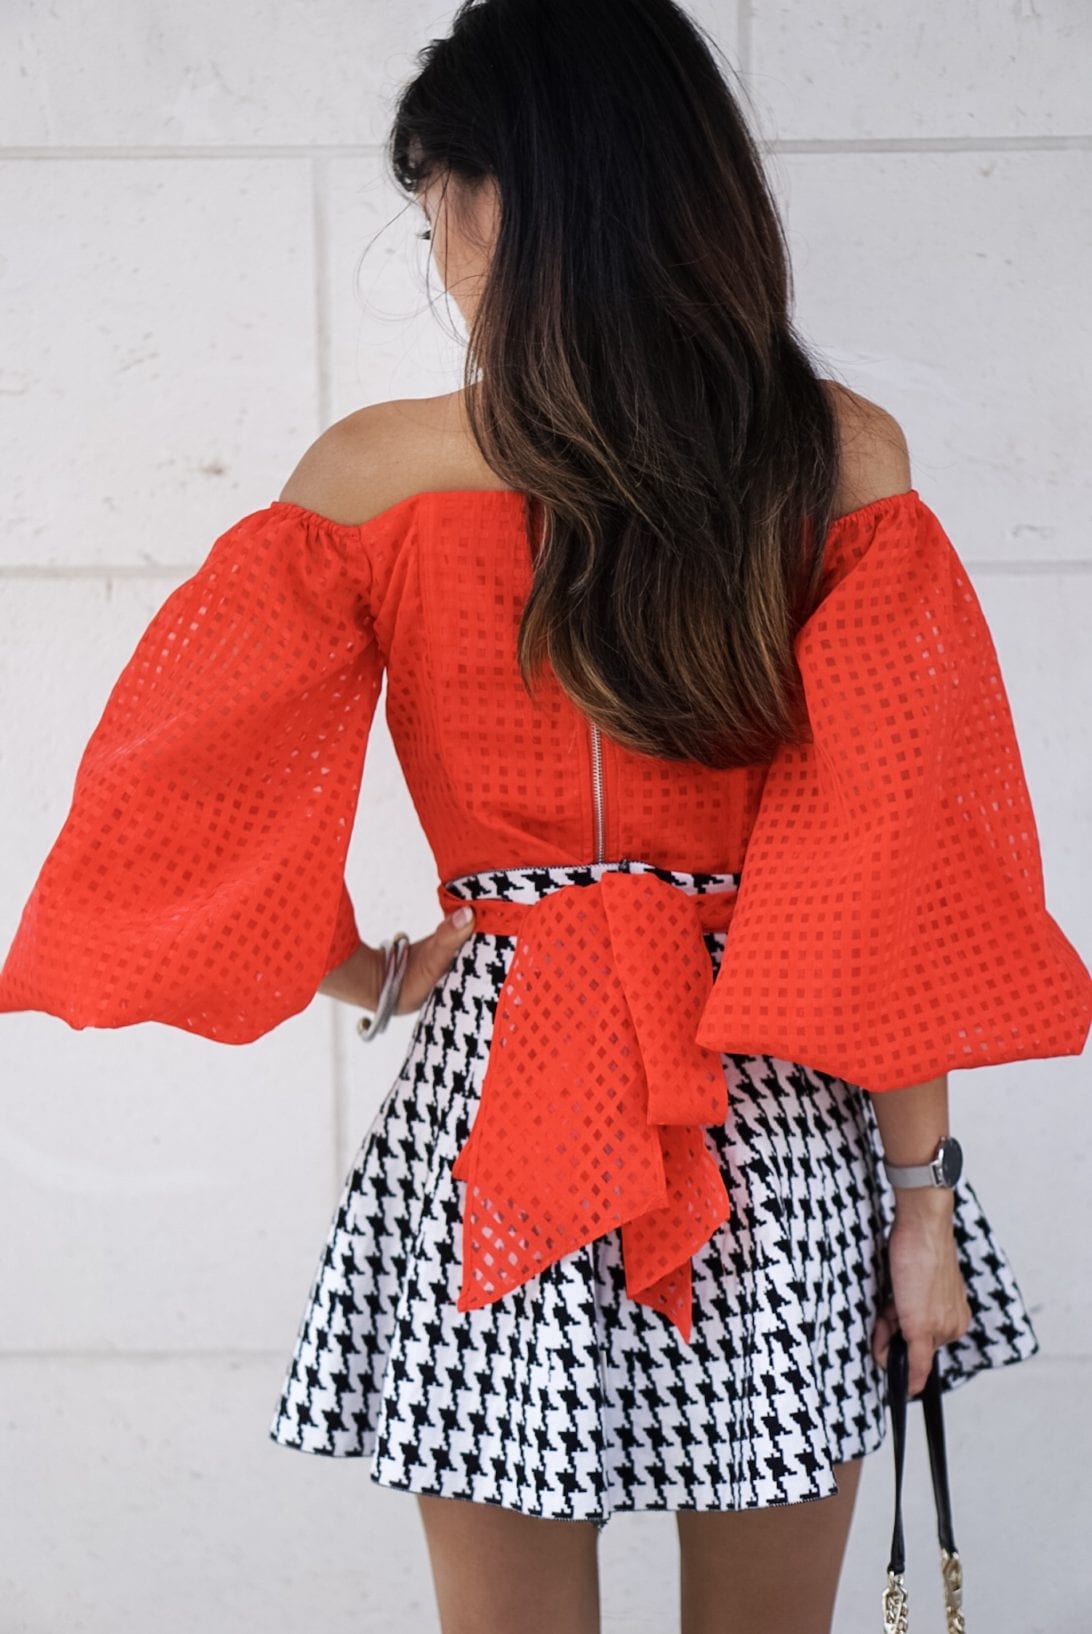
[{"x": 913, "y": 1174}]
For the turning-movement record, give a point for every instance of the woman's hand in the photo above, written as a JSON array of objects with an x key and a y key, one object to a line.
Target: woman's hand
[
  {"x": 359, "y": 978},
  {"x": 428, "y": 960},
  {"x": 929, "y": 1298}
]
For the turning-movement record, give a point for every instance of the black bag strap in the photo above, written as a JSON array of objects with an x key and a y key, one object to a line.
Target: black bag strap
[
  {"x": 938, "y": 1458},
  {"x": 898, "y": 1381},
  {"x": 895, "y": 1598}
]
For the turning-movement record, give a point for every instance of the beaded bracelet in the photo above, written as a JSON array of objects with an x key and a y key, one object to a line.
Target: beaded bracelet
[{"x": 395, "y": 957}]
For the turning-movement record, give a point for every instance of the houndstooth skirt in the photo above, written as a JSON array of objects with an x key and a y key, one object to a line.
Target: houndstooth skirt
[{"x": 565, "y": 1398}]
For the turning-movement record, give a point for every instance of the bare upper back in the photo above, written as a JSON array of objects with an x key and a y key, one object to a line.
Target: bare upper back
[
  {"x": 381, "y": 454},
  {"x": 385, "y": 452}
]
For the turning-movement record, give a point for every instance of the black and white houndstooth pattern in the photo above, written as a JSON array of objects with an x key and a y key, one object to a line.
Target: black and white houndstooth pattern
[{"x": 566, "y": 1398}]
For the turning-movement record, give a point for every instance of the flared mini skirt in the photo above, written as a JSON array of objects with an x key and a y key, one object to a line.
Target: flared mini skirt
[{"x": 565, "y": 1398}]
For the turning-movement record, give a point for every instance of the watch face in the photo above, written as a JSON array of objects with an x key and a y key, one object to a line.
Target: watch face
[{"x": 951, "y": 1160}]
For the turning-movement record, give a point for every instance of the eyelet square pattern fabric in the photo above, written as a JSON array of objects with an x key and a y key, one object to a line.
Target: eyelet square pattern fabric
[
  {"x": 596, "y": 1093},
  {"x": 198, "y": 877},
  {"x": 891, "y": 923}
]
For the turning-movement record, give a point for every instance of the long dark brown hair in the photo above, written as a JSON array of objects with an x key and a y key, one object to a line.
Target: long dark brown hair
[{"x": 632, "y": 365}]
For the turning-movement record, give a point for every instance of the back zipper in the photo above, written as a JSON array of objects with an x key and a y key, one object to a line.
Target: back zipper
[
  {"x": 597, "y": 757},
  {"x": 597, "y": 790}
]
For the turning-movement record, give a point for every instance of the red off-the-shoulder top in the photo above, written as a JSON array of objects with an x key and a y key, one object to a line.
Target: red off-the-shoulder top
[{"x": 889, "y": 925}]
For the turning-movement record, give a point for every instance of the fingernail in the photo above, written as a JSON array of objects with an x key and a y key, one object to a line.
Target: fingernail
[{"x": 462, "y": 916}]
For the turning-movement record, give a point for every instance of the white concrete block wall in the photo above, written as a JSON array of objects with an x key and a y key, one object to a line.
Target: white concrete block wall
[{"x": 202, "y": 266}]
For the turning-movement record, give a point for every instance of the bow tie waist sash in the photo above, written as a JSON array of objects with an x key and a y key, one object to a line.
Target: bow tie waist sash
[{"x": 595, "y": 1090}]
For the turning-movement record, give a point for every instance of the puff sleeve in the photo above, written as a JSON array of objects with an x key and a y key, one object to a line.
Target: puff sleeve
[
  {"x": 198, "y": 879},
  {"x": 890, "y": 923}
]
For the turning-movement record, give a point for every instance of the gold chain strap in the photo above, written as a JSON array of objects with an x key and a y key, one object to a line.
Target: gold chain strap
[
  {"x": 952, "y": 1573},
  {"x": 896, "y": 1605}
]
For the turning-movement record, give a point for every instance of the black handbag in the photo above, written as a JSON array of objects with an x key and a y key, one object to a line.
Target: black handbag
[{"x": 896, "y": 1611}]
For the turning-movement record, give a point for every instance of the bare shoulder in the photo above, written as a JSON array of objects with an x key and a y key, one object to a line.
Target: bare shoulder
[
  {"x": 378, "y": 455},
  {"x": 874, "y": 453},
  {"x": 381, "y": 454}
]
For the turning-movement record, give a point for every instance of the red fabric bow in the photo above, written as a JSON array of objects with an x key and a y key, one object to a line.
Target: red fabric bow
[{"x": 595, "y": 1090}]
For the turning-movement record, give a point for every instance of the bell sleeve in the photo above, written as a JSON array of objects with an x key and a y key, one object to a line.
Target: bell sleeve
[
  {"x": 198, "y": 879},
  {"x": 890, "y": 923}
]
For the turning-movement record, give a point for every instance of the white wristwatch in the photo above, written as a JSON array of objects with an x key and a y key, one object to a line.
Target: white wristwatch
[{"x": 944, "y": 1169}]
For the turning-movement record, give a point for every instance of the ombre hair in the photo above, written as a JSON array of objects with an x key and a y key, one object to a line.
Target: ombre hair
[{"x": 632, "y": 365}]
